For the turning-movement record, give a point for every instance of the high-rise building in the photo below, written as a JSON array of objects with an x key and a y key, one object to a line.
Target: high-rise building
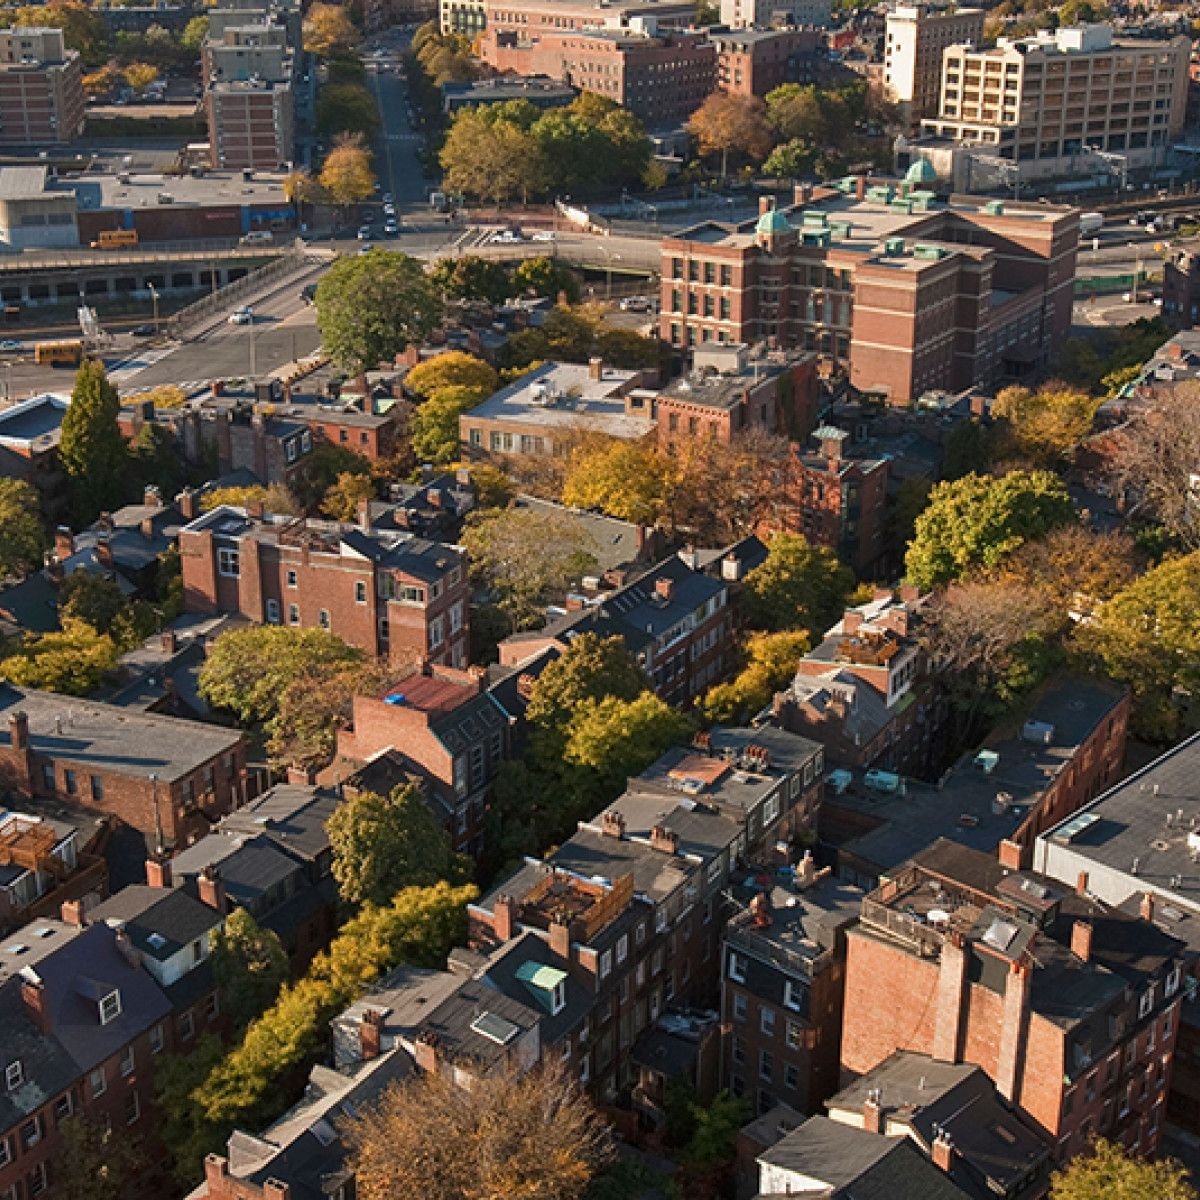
[
  {"x": 41, "y": 88},
  {"x": 746, "y": 14},
  {"x": 917, "y": 38}
]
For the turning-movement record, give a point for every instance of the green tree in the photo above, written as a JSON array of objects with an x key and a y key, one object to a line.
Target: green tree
[
  {"x": 570, "y": 334},
  {"x": 628, "y": 349},
  {"x": 472, "y": 278},
  {"x": 772, "y": 659},
  {"x": 94, "y": 1163},
  {"x": 453, "y": 368},
  {"x": 1109, "y": 1172},
  {"x": 250, "y": 965},
  {"x": 274, "y": 499},
  {"x": 492, "y": 157},
  {"x": 323, "y": 468},
  {"x": 74, "y": 662},
  {"x": 156, "y": 459},
  {"x": 383, "y": 844},
  {"x": 371, "y": 306},
  {"x": 976, "y": 522},
  {"x": 347, "y": 493},
  {"x": 91, "y": 449},
  {"x": 194, "y": 34},
  {"x": 248, "y": 670},
  {"x": 526, "y": 559},
  {"x": 433, "y": 428},
  {"x": 1148, "y": 636},
  {"x": 627, "y": 480},
  {"x": 792, "y": 160},
  {"x": 492, "y": 487},
  {"x": 708, "y": 1160},
  {"x": 1045, "y": 426},
  {"x": 313, "y": 705},
  {"x": 968, "y": 448},
  {"x": 347, "y": 108},
  {"x": 185, "y": 1133},
  {"x": 91, "y": 598},
  {"x": 543, "y": 276},
  {"x": 799, "y": 586},
  {"x": 796, "y": 114},
  {"x": 22, "y": 538}
]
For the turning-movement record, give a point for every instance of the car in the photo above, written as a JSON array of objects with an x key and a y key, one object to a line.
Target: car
[
  {"x": 242, "y": 316},
  {"x": 388, "y": 198},
  {"x": 389, "y": 209},
  {"x": 366, "y": 248},
  {"x": 506, "y": 237},
  {"x": 542, "y": 235},
  {"x": 391, "y": 229},
  {"x": 637, "y": 304},
  {"x": 141, "y": 331},
  {"x": 308, "y": 293},
  {"x": 11, "y": 346},
  {"x": 364, "y": 233}
]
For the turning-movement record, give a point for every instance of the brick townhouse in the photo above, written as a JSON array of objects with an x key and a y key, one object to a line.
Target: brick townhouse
[
  {"x": 752, "y": 62},
  {"x": 1071, "y": 1007},
  {"x": 165, "y": 778},
  {"x": 904, "y": 292},
  {"x": 389, "y": 593}
]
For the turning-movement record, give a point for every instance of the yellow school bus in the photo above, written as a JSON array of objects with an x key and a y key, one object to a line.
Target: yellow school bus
[
  {"x": 110, "y": 239},
  {"x": 68, "y": 353}
]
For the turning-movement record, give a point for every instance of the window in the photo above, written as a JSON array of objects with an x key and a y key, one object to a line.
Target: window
[
  {"x": 360, "y": 592},
  {"x": 739, "y": 1050},
  {"x": 291, "y": 579},
  {"x": 156, "y": 1039},
  {"x": 133, "y": 1108},
  {"x": 5, "y": 1153},
  {"x": 1146, "y": 1003},
  {"x": 63, "y": 1107},
  {"x": 98, "y": 1082},
  {"x": 793, "y": 996},
  {"x": 737, "y": 967},
  {"x": 110, "y": 1007},
  {"x": 187, "y": 1025},
  {"x": 48, "y": 776},
  {"x": 456, "y": 618},
  {"x": 14, "y": 1075},
  {"x": 291, "y": 449},
  {"x": 128, "y": 1062},
  {"x": 1173, "y": 982},
  {"x": 70, "y": 782},
  {"x": 31, "y": 1132},
  {"x": 38, "y": 1180},
  {"x": 766, "y": 1065},
  {"x": 792, "y": 1036},
  {"x": 323, "y": 618},
  {"x": 739, "y": 1006},
  {"x": 767, "y": 1021},
  {"x": 791, "y": 1077},
  {"x": 227, "y": 562},
  {"x": 293, "y": 614},
  {"x": 212, "y": 1008},
  {"x": 435, "y": 632},
  {"x": 623, "y": 948},
  {"x": 272, "y": 612},
  {"x": 605, "y": 964}
]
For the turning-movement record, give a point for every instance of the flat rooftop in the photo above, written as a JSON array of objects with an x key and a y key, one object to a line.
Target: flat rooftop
[
  {"x": 109, "y": 185},
  {"x": 33, "y": 424}
]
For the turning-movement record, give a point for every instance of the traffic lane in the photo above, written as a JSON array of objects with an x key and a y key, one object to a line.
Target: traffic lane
[{"x": 397, "y": 147}]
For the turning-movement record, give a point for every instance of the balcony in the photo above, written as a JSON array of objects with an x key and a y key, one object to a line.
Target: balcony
[{"x": 742, "y": 933}]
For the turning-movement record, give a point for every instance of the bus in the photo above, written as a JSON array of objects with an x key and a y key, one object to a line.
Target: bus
[
  {"x": 67, "y": 353},
  {"x": 110, "y": 239}
]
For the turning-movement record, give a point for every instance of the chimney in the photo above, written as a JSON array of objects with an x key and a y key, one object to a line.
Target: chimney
[
  {"x": 104, "y": 522},
  {"x": 151, "y": 496},
  {"x": 802, "y": 194},
  {"x": 596, "y": 369},
  {"x": 73, "y": 913},
  {"x": 64, "y": 542},
  {"x": 612, "y": 824},
  {"x": 942, "y": 1151},
  {"x": 128, "y": 951},
  {"x": 300, "y": 776},
  {"x": 364, "y": 514},
  {"x": 425, "y": 1052},
  {"x": 851, "y": 621},
  {"x": 168, "y": 642},
  {"x": 255, "y": 510},
  {"x": 1081, "y": 940},
  {"x": 806, "y": 871},
  {"x": 210, "y": 889},
  {"x": 18, "y": 730},
  {"x": 665, "y": 840},
  {"x": 860, "y": 187},
  {"x": 33, "y": 993},
  {"x": 948, "y": 999},
  {"x": 276, "y": 1189},
  {"x": 560, "y": 939},
  {"x": 158, "y": 872},
  {"x": 909, "y": 593},
  {"x": 1147, "y": 906},
  {"x": 104, "y": 554},
  {"x": 1012, "y": 855},
  {"x": 1014, "y": 1026},
  {"x": 1081, "y": 883},
  {"x": 370, "y": 1034},
  {"x": 216, "y": 1172},
  {"x": 189, "y": 508},
  {"x": 525, "y": 683},
  {"x": 504, "y": 917},
  {"x": 55, "y": 571},
  {"x": 663, "y": 588},
  {"x": 765, "y": 205},
  {"x": 872, "y": 1112},
  {"x": 147, "y": 528}
]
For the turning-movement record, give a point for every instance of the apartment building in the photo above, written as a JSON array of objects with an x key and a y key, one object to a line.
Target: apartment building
[
  {"x": 1070, "y": 1006},
  {"x": 781, "y": 990},
  {"x": 765, "y": 14},
  {"x": 905, "y": 293},
  {"x": 917, "y": 36},
  {"x": 41, "y": 88},
  {"x": 750, "y": 62},
  {"x": 1043, "y": 101},
  {"x": 252, "y": 125},
  {"x": 391, "y": 594},
  {"x": 529, "y": 20}
]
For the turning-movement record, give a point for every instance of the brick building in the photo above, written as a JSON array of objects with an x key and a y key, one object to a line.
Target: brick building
[
  {"x": 391, "y": 594},
  {"x": 30, "y": 431},
  {"x": 758, "y": 14},
  {"x": 41, "y": 88},
  {"x": 751, "y": 62},
  {"x": 904, "y": 292},
  {"x": 1071, "y": 1007},
  {"x": 165, "y": 778},
  {"x": 781, "y": 990}
]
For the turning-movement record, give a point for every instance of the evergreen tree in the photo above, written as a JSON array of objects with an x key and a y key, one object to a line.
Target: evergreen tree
[{"x": 92, "y": 451}]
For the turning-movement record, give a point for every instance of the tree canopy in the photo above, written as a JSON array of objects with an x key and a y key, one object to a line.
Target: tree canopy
[
  {"x": 771, "y": 663},
  {"x": 250, "y": 965},
  {"x": 1045, "y": 426},
  {"x": 347, "y": 178},
  {"x": 91, "y": 449},
  {"x": 729, "y": 122},
  {"x": 75, "y": 661},
  {"x": 1108, "y": 1172},
  {"x": 329, "y": 31},
  {"x": 452, "y": 368},
  {"x": 626, "y": 480},
  {"x": 22, "y": 538},
  {"x": 346, "y": 108},
  {"x": 799, "y": 586}
]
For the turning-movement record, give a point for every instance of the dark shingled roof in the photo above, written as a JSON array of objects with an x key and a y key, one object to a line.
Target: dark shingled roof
[{"x": 160, "y": 922}]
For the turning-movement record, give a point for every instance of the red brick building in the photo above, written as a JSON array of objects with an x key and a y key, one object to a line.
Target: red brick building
[
  {"x": 751, "y": 62},
  {"x": 391, "y": 594},
  {"x": 904, "y": 292},
  {"x": 1071, "y": 1007},
  {"x": 41, "y": 88},
  {"x": 166, "y": 778}
]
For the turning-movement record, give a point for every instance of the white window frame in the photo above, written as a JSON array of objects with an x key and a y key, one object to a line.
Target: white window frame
[
  {"x": 273, "y": 612},
  {"x": 360, "y": 592},
  {"x": 292, "y": 579},
  {"x": 766, "y": 1021},
  {"x": 137, "y": 1108},
  {"x": 606, "y": 964},
  {"x": 128, "y": 1062},
  {"x": 229, "y": 562},
  {"x": 5, "y": 1152},
  {"x": 98, "y": 1082},
  {"x": 622, "y": 948},
  {"x": 1146, "y": 1003},
  {"x": 1172, "y": 984},
  {"x": 791, "y": 996},
  {"x": 14, "y": 1075},
  {"x": 157, "y": 1039},
  {"x": 110, "y": 1005},
  {"x": 737, "y": 967}
]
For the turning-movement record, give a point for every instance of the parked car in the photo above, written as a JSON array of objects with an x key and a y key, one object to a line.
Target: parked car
[
  {"x": 242, "y": 316},
  {"x": 637, "y": 304},
  {"x": 364, "y": 233},
  {"x": 308, "y": 293},
  {"x": 11, "y": 346},
  {"x": 391, "y": 229},
  {"x": 507, "y": 237},
  {"x": 142, "y": 331},
  {"x": 542, "y": 235}
]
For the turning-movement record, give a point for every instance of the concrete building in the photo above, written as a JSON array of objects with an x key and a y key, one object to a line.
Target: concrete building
[
  {"x": 41, "y": 88},
  {"x": 1070, "y": 1006},
  {"x": 32, "y": 216},
  {"x": 751, "y": 62},
  {"x": 251, "y": 125},
  {"x": 917, "y": 36},
  {"x": 476, "y": 93},
  {"x": 1041, "y": 102},
  {"x": 905, "y": 292},
  {"x": 763, "y": 14},
  {"x": 391, "y": 594},
  {"x": 468, "y": 17}
]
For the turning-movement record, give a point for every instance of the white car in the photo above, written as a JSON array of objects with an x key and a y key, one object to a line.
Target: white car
[
  {"x": 506, "y": 237},
  {"x": 542, "y": 235},
  {"x": 242, "y": 316}
]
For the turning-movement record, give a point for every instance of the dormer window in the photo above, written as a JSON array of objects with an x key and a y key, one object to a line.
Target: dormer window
[
  {"x": 558, "y": 998},
  {"x": 110, "y": 1007},
  {"x": 14, "y": 1075}
]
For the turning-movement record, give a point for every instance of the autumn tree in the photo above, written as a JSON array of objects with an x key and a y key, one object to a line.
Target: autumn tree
[
  {"x": 771, "y": 661},
  {"x": 349, "y": 490},
  {"x": 1109, "y": 1172},
  {"x": 92, "y": 598},
  {"x": 382, "y": 844},
  {"x": 75, "y": 661},
  {"x": 1074, "y": 568},
  {"x": 543, "y": 276},
  {"x": 194, "y": 33},
  {"x": 83, "y": 29},
  {"x": 371, "y": 306},
  {"x": 532, "y": 1134},
  {"x": 250, "y": 965},
  {"x": 452, "y": 368},
  {"x": 726, "y": 122},
  {"x": 433, "y": 428},
  {"x": 140, "y": 75},
  {"x": 101, "y": 83},
  {"x": 1045, "y": 426},
  {"x": 627, "y": 480},
  {"x": 976, "y": 521},
  {"x": 347, "y": 177},
  {"x": 487, "y": 156},
  {"x": 92, "y": 451},
  {"x": 22, "y": 537},
  {"x": 799, "y": 586},
  {"x": 491, "y": 485},
  {"x": 329, "y": 31},
  {"x": 274, "y": 499}
]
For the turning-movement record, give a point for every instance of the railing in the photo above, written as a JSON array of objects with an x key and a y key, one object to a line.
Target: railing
[
  {"x": 927, "y": 939},
  {"x": 742, "y": 931},
  {"x": 134, "y": 256}
]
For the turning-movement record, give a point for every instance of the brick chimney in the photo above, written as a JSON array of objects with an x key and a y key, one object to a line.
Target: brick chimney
[
  {"x": 301, "y": 776},
  {"x": 560, "y": 939},
  {"x": 860, "y": 187},
  {"x": 806, "y": 871},
  {"x": 1147, "y": 906},
  {"x": 211, "y": 890},
  {"x": 276, "y": 1189},
  {"x": 64, "y": 542},
  {"x": 664, "y": 840},
  {"x": 663, "y": 588},
  {"x": 612, "y": 824},
  {"x": 152, "y": 496},
  {"x": 364, "y": 514},
  {"x": 1081, "y": 940},
  {"x": 802, "y": 193},
  {"x": 34, "y": 996},
  {"x": 851, "y": 621},
  {"x": 1014, "y": 1029},
  {"x": 595, "y": 369},
  {"x": 1081, "y": 883},
  {"x": 147, "y": 528},
  {"x": 189, "y": 508},
  {"x": 104, "y": 554},
  {"x": 949, "y": 999},
  {"x": 765, "y": 205},
  {"x": 908, "y": 593},
  {"x": 1012, "y": 855},
  {"x": 504, "y": 917},
  {"x": 18, "y": 730},
  {"x": 168, "y": 642},
  {"x": 216, "y": 1172},
  {"x": 872, "y": 1112},
  {"x": 425, "y": 1052},
  {"x": 158, "y": 873},
  {"x": 942, "y": 1151},
  {"x": 73, "y": 913},
  {"x": 370, "y": 1034}
]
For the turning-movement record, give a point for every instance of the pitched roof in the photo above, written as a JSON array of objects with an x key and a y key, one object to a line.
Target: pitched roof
[{"x": 159, "y": 921}]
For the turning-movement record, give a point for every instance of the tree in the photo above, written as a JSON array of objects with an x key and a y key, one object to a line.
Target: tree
[
  {"x": 91, "y": 449},
  {"x": 22, "y": 538},
  {"x": 489, "y": 157},
  {"x": 799, "y": 586},
  {"x": 140, "y": 75},
  {"x": 347, "y": 108},
  {"x": 250, "y": 965},
  {"x": 492, "y": 487},
  {"x": 434, "y": 430},
  {"x": 92, "y": 598},
  {"x": 194, "y": 33},
  {"x": 472, "y": 278},
  {"x": 83, "y": 29},
  {"x": 1074, "y": 568},
  {"x": 532, "y": 1134},
  {"x": 248, "y": 670},
  {"x": 93, "y": 1163},
  {"x": 347, "y": 176},
  {"x": 526, "y": 559},
  {"x": 708, "y": 1161},
  {"x": 1045, "y": 426},
  {"x": 383, "y": 844},
  {"x": 453, "y": 368},
  {"x": 772, "y": 661},
  {"x": 348, "y": 492},
  {"x": 543, "y": 276},
  {"x": 314, "y": 704},
  {"x": 1109, "y": 1172},
  {"x": 101, "y": 83},
  {"x": 328, "y": 31},
  {"x": 74, "y": 662},
  {"x": 628, "y": 349},
  {"x": 792, "y": 160},
  {"x": 323, "y": 468},
  {"x": 626, "y": 480},
  {"x": 975, "y": 522},
  {"x": 570, "y": 334},
  {"x": 1148, "y": 636},
  {"x": 727, "y": 122},
  {"x": 371, "y": 306},
  {"x": 799, "y": 112},
  {"x": 274, "y": 499}
]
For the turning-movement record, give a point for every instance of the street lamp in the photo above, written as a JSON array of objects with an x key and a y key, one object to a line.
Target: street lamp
[
  {"x": 154, "y": 301},
  {"x": 609, "y": 255},
  {"x": 253, "y": 360}
]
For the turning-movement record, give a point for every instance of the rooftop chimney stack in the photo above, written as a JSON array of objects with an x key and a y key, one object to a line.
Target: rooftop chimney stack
[
  {"x": 1147, "y": 906},
  {"x": 1081, "y": 940},
  {"x": 872, "y": 1113},
  {"x": 504, "y": 917},
  {"x": 942, "y": 1151}
]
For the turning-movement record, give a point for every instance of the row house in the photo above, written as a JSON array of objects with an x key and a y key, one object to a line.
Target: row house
[{"x": 387, "y": 592}]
